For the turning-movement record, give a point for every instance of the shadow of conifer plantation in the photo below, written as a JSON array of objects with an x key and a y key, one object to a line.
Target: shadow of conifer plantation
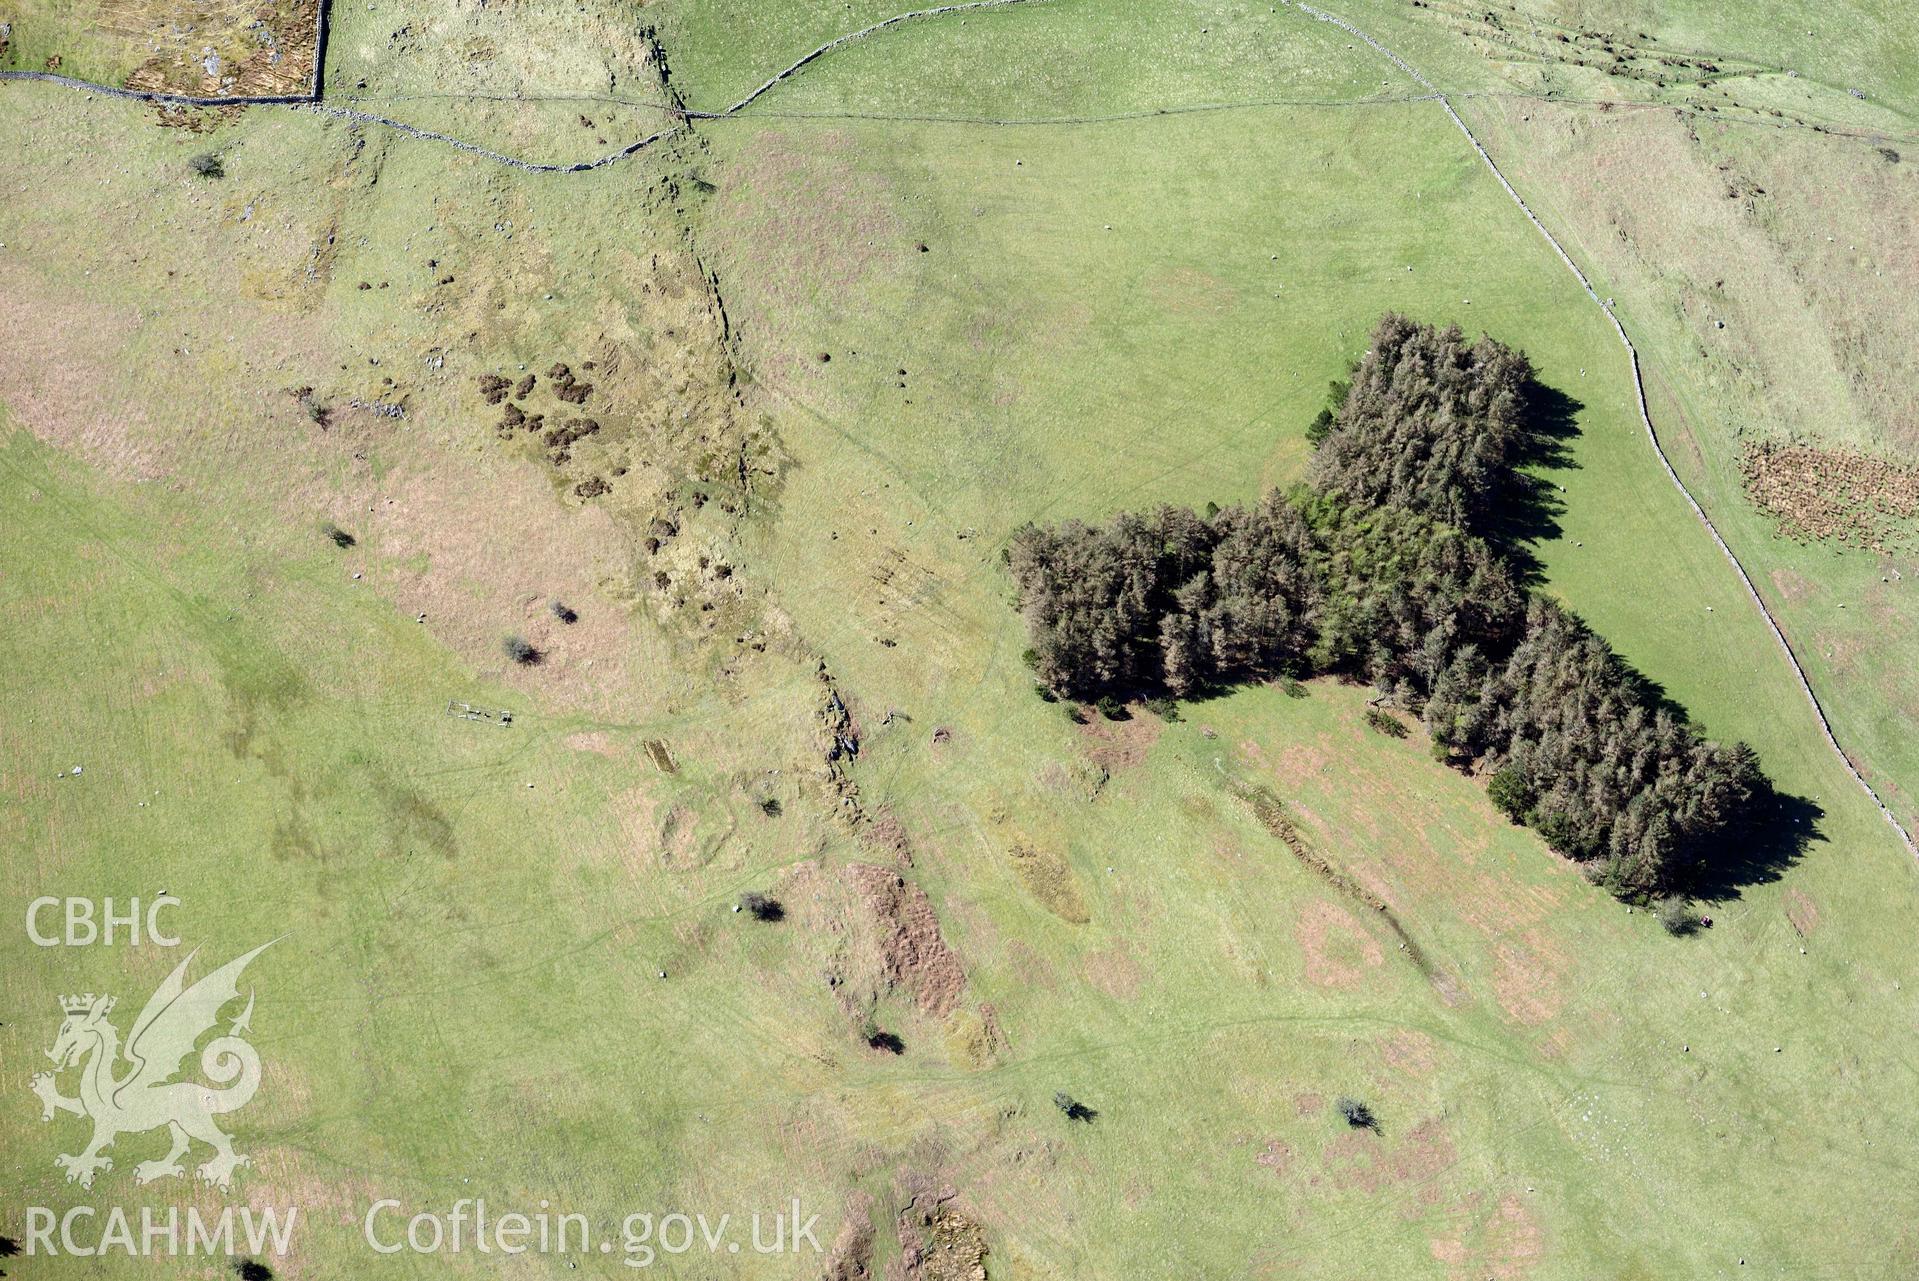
[{"x": 1531, "y": 503}]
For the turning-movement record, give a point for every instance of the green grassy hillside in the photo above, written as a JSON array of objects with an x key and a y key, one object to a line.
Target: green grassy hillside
[{"x": 837, "y": 359}]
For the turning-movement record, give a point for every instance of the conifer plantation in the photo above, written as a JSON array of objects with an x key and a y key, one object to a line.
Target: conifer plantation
[{"x": 1401, "y": 563}]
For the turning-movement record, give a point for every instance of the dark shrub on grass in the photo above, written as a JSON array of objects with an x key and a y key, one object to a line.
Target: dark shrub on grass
[
  {"x": 1675, "y": 915},
  {"x": 565, "y": 613},
  {"x": 1072, "y": 1107},
  {"x": 878, "y": 1038},
  {"x": 521, "y": 650},
  {"x": 1385, "y": 723},
  {"x": 339, "y": 536},
  {"x": 1357, "y": 1114},
  {"x": 1112, "y": 709},
  {"x": 207, "y": 165},
  {"x": 1164, "y": 708},
  {"x": 762, "y": 907}
]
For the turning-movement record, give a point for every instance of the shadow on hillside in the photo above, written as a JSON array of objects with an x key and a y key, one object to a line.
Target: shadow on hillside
[
  {"x": 1759, "y": 852},
  {"x": 1530, "y": 508}
]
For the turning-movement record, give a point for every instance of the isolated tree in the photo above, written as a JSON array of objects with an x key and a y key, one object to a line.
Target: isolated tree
[
  {"x": 565, "y": 613},
  {"x": 762, "y": 907},
  {"x": 1357, "y": 1114},
  {"x": 521, "y": 650},
  {"x": 1072, "y": 1107},
  {"x": 207, "y": 165},
  {"x": 339, "y": 536}
]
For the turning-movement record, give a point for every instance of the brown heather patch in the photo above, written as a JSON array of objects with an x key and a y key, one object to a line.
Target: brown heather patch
[
  {"x": 912, "y": 955},
  {"x": 1276, "y": 1156},
  {"x": 1832, "y": 494},
  {"x": 1794, "y": 587},
  {"x": 598, "y": 742},
  {"x": 51, "y": 388}
]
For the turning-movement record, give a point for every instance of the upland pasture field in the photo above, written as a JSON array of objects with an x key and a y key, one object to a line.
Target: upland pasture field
[{"x": 289, "y": 455}]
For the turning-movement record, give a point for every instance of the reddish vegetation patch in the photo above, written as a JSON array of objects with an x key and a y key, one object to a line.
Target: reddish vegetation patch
[
  {"x": 1338, "y": 949},
  {"x": 1035, "y": 971},
  {"x": 1276, "y": 1156},
  {"x": 1363, "y": 1160},
  {"x": 1526, "y": 975},
  {"x": 1308, "y": 1103},
  {"x": 1114, "y": 972},
  {"x": 1118, "y": 745},
  {"x": 54, "y": 391},
  {"x": 1801, "y": 912},
  {"x": 1410, "y": 1053},
  {"x": 1297, "y": 761},
  {"x": 594, "y": 741},
  {"x": 1504, "y": 1245},
  {"x": 913, "y": 955},
  {"x": 825, "y": 227},
  {"x": 1796, "y": 588},
  {"x": 1831, "y": 493},
  {"x": 886, "y": 835}
]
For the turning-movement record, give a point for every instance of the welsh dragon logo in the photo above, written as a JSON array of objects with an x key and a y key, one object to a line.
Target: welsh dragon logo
[{"x": 131, "y": 1091}]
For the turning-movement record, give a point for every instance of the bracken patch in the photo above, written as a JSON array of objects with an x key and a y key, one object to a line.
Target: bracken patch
[{"x": 1832, "y": 494}]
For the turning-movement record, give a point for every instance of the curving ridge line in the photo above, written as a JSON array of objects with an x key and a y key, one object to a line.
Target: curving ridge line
[
  {"x": 315, "y": 99},
  {"x": 1645, "y": 416}
]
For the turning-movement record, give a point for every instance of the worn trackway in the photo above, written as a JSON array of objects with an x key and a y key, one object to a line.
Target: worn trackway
[{"x": 1645, "y": 414}]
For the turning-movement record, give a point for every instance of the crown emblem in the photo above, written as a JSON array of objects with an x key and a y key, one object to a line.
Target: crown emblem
[{"x": 82, "y": 1003}]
